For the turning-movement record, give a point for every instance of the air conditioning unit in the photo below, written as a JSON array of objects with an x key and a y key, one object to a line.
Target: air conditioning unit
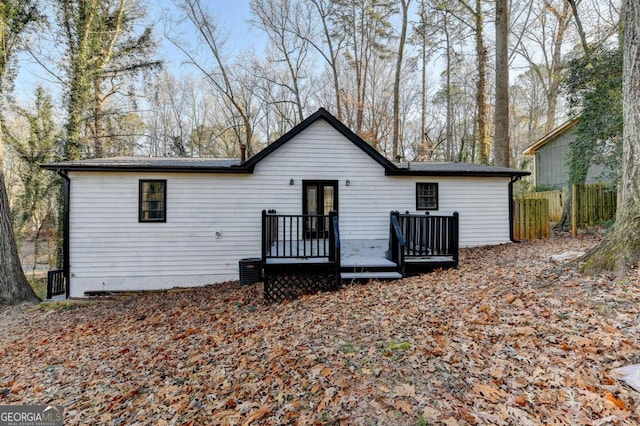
[{"x": 250, "y": 271}]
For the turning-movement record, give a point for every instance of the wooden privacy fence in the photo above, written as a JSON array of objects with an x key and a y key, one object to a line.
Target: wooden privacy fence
[
  {"x": 555, "y": 202},
  {"x": 530, "y": 219},
  {"x": 592, "y": 204}
]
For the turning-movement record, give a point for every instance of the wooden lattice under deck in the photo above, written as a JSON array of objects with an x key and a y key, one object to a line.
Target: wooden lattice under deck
[{"x": 286, "y": 282}]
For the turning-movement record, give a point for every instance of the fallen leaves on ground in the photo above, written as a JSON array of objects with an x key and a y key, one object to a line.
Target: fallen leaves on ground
[{"x": 508, "y": 338}]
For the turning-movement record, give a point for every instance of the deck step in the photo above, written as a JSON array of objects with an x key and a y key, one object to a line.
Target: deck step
[
  {"x": 389, "y": 275},
  {"x": 375, "y": 268}
]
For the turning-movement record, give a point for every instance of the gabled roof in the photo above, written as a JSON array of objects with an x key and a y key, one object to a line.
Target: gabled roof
[
  {"x": 208, "y": 165},
  {"x": 336, "y": 124},
  {"x": 558, "y": 131}
]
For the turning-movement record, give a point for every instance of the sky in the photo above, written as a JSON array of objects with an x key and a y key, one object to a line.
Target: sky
[{"x": 232, "y": 17}]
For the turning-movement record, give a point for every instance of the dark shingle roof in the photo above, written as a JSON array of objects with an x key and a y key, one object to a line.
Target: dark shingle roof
[
  {"x": 453, "y": 169},
  {"x": 164, "y": 164}
]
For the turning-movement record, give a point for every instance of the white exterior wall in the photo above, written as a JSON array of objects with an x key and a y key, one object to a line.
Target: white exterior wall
[{"x": 111, "y": 250}]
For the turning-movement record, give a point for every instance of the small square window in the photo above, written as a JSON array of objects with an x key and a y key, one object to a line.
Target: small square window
[
  {"x": 153, "y": 201},
  {"x": 426, "y": 196}
]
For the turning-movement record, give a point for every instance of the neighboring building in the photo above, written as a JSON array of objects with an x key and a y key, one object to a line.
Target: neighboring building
[
  {"x": 157, "y": 223},
  {"x": 550, "y": 169}
]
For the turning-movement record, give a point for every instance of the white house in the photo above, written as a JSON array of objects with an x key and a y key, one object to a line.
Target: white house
[{"x": 157, "y": 223}]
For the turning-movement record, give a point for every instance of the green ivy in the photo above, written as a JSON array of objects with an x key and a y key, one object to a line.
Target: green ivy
[{"x": 594, "y": 91}]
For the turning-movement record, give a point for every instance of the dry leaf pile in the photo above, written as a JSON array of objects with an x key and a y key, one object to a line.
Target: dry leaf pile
[{"x": 508, "y": 338}]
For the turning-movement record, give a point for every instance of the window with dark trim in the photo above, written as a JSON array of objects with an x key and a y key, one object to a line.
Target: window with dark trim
[
  {"x": 426, "y": 196},
  {"x": 153, "y": 201}
]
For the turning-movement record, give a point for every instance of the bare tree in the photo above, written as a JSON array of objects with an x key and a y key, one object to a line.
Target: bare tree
[
  {"x": 280, "y": 108},
  {"x": 15, "y": 17},
  {"x": 542, "y": 45},
  {"x": 33, "y": 144},
  {"x": 528, "y": 112},
  {"x": 396, "y": 84},
  {"x": 103, "y": 54},
  {"x": 424, "y": 36},
  {"x": 368, "y": 28},
  {"x": 325, "y": 40},
  {"x": 581, "y": 33},
  {"x": 482, "y": 105},
  {"x": 222, "y": 78},
  {"x": 275, "y": 18}
]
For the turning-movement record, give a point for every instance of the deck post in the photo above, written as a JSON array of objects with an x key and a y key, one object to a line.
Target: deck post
[
  {"x": 264, "y": 236},
  {"x": 49, "y": 284},
  {"x": 455, "y": 231},
  {"x": 332, "y": 237},
  {"x": 397, "y": 241},
  {"x": 334, "y": 245}
]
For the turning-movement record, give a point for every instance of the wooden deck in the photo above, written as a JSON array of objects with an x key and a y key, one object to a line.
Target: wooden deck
[
  {"x": 296, "y": 261},
  {"x": 367, "y": 256}
]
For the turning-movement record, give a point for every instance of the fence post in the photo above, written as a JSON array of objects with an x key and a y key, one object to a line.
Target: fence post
[{"x": 574, "y": 210}]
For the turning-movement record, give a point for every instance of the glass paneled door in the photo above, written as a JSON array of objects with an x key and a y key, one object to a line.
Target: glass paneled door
[{"x": 319, "y": 197}]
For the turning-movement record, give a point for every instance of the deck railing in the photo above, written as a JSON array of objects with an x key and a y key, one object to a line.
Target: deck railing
[
  {"x": 55, "y": 283},
  {"x": 300, "y": 254},
  {"x": 397, "y": 242},
  {"x": 430, "y": 235},
  {"x": 298, "y": 236}
]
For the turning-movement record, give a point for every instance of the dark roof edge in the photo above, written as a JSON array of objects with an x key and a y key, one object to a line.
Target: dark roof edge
[
  {"x": 137, "y": 169},
  {"x": 558, "y": 131},
  {"x": 336, "y": 124},
  {"x": 470, "y": 173}
]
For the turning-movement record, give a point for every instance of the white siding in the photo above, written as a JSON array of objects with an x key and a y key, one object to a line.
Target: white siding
[{"x": 110, "y": 250}]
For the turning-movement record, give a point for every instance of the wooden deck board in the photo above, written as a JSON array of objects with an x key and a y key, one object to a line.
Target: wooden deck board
[
  {"x": 428, "y": 259},
  {"x": 364, "y": 253}
]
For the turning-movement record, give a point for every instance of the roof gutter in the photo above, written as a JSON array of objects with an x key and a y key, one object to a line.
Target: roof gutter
[{"x": 459, "y": 173}]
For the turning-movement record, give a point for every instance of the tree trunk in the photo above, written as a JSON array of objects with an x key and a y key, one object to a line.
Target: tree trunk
[
  {"x": 73, "y": 144},
  {"x": 481, "y": 89},
  {"x": 581, "y": 33},
  {"x": 449, "y": 125},
  {"x": 396, "y": 84},
  {"x": 98, "y": 110},
  {"x": 502, "y": 151},
  {"x": 14, "y": 287},
  {"x": 331, "y": 58},
  {"x": 423, "y": 103},
  {"x": 621, "y": 249}
]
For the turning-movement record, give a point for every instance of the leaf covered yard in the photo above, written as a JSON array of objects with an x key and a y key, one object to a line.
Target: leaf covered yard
[{"x": 508, "y": 338}]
